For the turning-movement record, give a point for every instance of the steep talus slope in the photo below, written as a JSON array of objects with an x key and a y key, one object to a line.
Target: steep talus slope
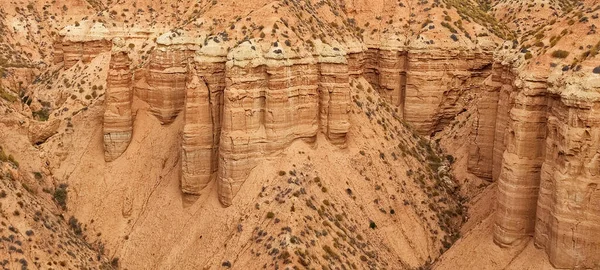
[
  {"x": 33, "y": 232},
  {"x": 323, "y": 199}
]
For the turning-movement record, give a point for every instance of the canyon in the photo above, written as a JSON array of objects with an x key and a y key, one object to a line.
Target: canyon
[{"x": 208, "y": 115}]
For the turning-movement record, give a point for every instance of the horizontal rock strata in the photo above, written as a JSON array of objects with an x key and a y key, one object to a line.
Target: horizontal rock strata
[
  {"x": 118, "y": 122},
  {"x": 542, "y": 145},
  {"x": 568, "y": 207}
]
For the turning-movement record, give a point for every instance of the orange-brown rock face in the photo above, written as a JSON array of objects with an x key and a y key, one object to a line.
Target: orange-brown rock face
[
  {"x": 334, "y": 98},
  {"x": 85, "y": 51},
  {"x": 272, "y": 100},
  {"x": 568, "y": 208},
  {"x": 197, "y": 145},
  {"x": 167, "y": 74},
  {"x": 59, "y": 56},
  {"x": 386, "y": 71},
  {"x": 436, "y": 83},
  {"x": 505, "y": 96},
  {"x": 356, "y": 64},
  {"x": 118, "y": 122},
  {"x": 210, "y": 65},
  {"x": 487, "y": 147},
  {"x": 549, "y": 171},
  {"x": 522, "y": 160},
  {"x": 243, "y": 134}
]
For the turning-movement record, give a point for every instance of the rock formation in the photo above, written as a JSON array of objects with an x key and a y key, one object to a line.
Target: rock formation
[
  {"x": 39, "y": 132},
  {"x": 197, "y": 144},
  {"x": 118, "y": 122},
  {"x": 568, "y": 207},
  {"x": 243, "y": 102},
  {"x": 521, "y": 162},
  {"x": 487, "y": 147},
  {"x": 81, "y": 42},
  {"x": 538, "y": 138},
  {"x": 274, "y": 99}
]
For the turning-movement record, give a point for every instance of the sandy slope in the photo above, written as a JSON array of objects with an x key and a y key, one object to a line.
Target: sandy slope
[
  {"x": 322, "y": 206},
  {"x": 477, "y": 244}
]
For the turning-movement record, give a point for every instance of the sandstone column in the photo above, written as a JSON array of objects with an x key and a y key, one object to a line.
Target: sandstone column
[
  {"x": 197, "y": 146},
  {"x": 334, "y": 94},
  {"x": 505, "y": 96},
  {"x": 568, "y": 209},
  {"x": 243, "y": 127},
  {"x": 520, "y": 175},
  {"x": 118, "y": 125},
  {"x": 210, "y": 64},
  {"x": 167, "y": 73}
]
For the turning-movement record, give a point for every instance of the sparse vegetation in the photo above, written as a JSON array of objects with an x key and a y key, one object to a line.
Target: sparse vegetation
[
  {"x": 560, "y": 54},
  {"x": 60, "y": 195}
]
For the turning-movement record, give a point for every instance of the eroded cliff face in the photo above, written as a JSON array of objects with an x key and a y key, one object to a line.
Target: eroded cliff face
[
  {"x": 166, "y": 79},
  {"x": 242, "y": 104},
  {"x": 75, "y": 51},
  {"x": 521, "y": 162},
  {"x": 541, "y": 145},
  {"x": 238, "y": 106},
  {"x": 568, "y": 208},
  {"x": 272, "y": 100},
  {"x": 118, "y": 119},
  {"x": 429, "y": 86}
]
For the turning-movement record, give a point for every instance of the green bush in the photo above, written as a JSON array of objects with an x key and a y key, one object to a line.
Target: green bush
[
  {"x": 60, "y": 195},
  {"x": 42, "y": 115},
  {"x": 7, "y": 96},
  {"x": 372, "y": 224},
  {"x": 560, "y": 54}
]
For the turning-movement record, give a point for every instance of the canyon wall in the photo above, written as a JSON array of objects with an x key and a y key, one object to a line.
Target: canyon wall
[
  {"x": 568, "y": 208},
  {"x": 239, "y": 105},
  {"x": 273, "y": 99},
  {"x": 118, "y": 121},
  {"x": 521, "y": 162},
  {"x": 540, "y": 140},
  {"x": 491, "y": 112},
  {"x": 429, "y": 86}
]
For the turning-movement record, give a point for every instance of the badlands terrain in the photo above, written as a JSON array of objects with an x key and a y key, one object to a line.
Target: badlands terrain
[{"x": 331, "y": 134}]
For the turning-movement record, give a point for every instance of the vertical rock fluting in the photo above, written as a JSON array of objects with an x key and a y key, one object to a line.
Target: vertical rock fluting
[
  {"x": 197, "y": 143},
  {"x": 243, "y": 137},
  {"x": 522, "y": 160},
  {"x": 487, "y": 140},
  {"x": 392, "y": 76},
  {"x": 356, "y": 60},
  {"x": 386, "y": 68},
  {"x": 118, "y": 122},
  {"x": 437, "y": 83},
  {"x": 568, "y": 208},
  {"x": 505, "y": 96},
  {"x": 334, "y": 94},
  {"x": 273, "y": 99},
  {"x": 210, "y": 64},
  {"x": 291, "y": 100},
  {"x": 167, "y": 74},
  {"x": 549, "y": 171}
]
